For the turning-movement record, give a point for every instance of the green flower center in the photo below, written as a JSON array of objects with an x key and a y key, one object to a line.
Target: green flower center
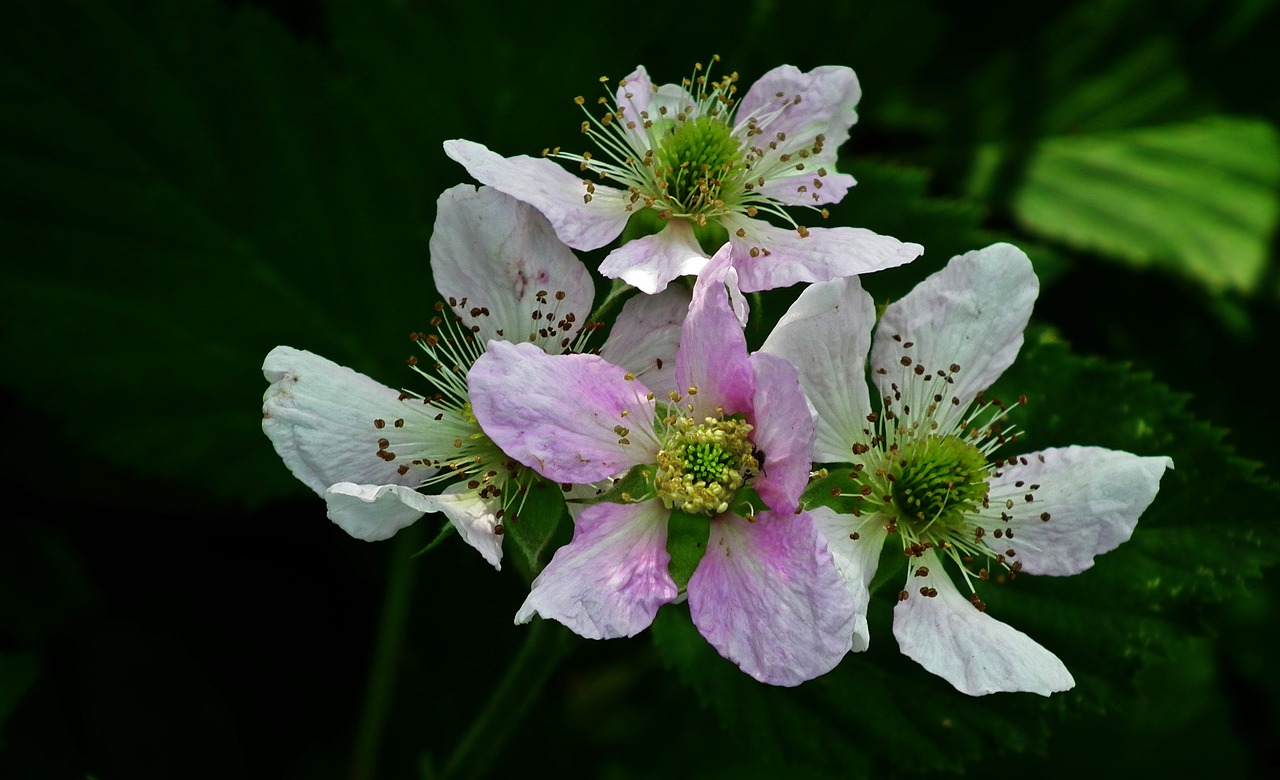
[
  {"x": 702, "y": 465},
  {"x": 694, "y": 160},
  {"x": 936, "y": 481}
]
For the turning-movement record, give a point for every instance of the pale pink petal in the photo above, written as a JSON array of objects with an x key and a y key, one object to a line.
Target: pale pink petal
[
  {"x": 784, "y": 257},
  {"x": 815, "y": 184},
  {"x": 821, "y": 101},
  {"x": 610, "y": 580},
  {"x": 375, "y": 512},
  {"x": 783, "y": 434},
  {"x": 713, "y": 349},
  {"x": 557, "y": 193},
  {"x": 561, "y": 414},
  {"x": 494, "y": 255},
  {"x": 474, "y": 518},
  {"x": 826, "y": 334},
  {"x": 638, "y": 100},
  {"x": 973, "y": 651},
  {"x": 646, "y": 336},
  {"x": 1085, "y": 501},
  {"x": 767, "y": 596},
  {"x": 855, "y": 544},
  {"x": 971, "y": 314},
  {"x": 323, "y": 420},
  {"x": 650, "y": 263}
]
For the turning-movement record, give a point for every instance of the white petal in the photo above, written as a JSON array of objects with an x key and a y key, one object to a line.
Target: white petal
[
  {"x": 1092, "y": 498},
  {"x": 475, "y": 518},
  {"x": 856, "y": 559},
  {"x": 375, "y": 512},
  {"x": 973, "y": 651},
  {"x": 803, "y": 105},
  {"x": 550, "y": 189},
  {"x": 650, "y": 263},
  {"x": 321, "y": 417},
  {"x": 826, "y": 334},
  {"x": 497, "y": 254},
  {"x": 970, "y": 314},
  {"x": 646, "y": 336}
]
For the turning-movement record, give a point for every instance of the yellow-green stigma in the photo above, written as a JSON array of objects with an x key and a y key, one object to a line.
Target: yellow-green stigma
[
  {"x": 695, "y": 160},
  {"x": 702, "y": 465},
  {"x": 936, "y": 481}
]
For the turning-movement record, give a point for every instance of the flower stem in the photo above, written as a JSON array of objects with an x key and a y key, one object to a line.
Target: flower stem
[
  {"x": 402, "y": 571},
  {"x": 546, "y": 644}
]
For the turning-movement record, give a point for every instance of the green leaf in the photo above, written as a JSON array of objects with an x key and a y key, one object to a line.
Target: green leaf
[
  {"x": 1199, "y": 198},
  {"x": 537, "y": 526},
  {"x": 687, "y": 536}
]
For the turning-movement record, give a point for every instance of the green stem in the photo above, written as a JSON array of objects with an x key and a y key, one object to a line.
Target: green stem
[
  {"x": 386, "y": 655},
  {"x": 545, "y": 645}
]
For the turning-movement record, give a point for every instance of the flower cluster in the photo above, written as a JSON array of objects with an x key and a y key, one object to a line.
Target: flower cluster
[{"x": 760, "y": 487}]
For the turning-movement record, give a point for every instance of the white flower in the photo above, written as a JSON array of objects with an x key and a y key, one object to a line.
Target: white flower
[
  {"x": 705, "y": 165},
  {"x": 367, "y": 449},
  {"x": 920, "y": 468}
]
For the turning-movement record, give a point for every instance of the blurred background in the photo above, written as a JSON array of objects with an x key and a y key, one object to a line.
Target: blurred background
[{"x": 184, "y": 185}]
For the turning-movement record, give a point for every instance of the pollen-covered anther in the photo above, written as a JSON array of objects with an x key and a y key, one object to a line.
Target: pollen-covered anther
[{"x": 703, "y": 464}]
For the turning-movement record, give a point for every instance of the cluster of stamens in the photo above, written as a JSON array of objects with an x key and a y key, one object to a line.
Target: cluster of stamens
[
  {"x": 927, "y": 479},
  {"x": 703, "y": 462},
  {"x": 694, "y": 160}
]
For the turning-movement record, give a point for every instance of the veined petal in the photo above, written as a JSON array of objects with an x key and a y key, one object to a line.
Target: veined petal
[
  {"x": 375, "y": 512},
  {"x": 323, "y": 420},
  {"x": 826, "y": 334},
  {"x": 561, "y": 414},
  {"x": 855, "y": 544},
  {"x": 610, "y": 580},
  {"x": 783, "y": 434},
  {"x": 819, "y": 102},
  {"x": 713, "y": 349},
  {"x": 767, "y": 596},
  {"x": 497, "y": 254},
  {"x": 973, "y": 651},
  {"x": 784, "y": 257},
  {"x": 475, "y": 519},
  {"x": 550, "y": 189},
  {"x": 1085, "y": 501},
  {"x": 650, "y": 263},
  {"x": 815, "y": 185},
  {"x": 646, "y": 336},
  {"x": 970, "y": 314}
]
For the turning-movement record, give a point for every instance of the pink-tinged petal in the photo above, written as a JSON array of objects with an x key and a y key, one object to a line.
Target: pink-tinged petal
[
  {"x": 783, "y": 434},
  {"x": 1085, "y": 501},
  {"x": 826, "y": 334},
  {"x": 375, "y": 512},
  {"x": 651, "y": 262},
  {"x": 558, "y": 194},
  {"x": 646, "y": 336},
  {"x": 970, "y": 314},
  {"x": 767, "y": 596},
  {"x": 855, "y": 544},
  {"x": 822, "y": 101},
  {"x": 610, "y": 580},
  {"x": 322, "y": 419},
  {"x": 713, "y": 349},
  {"x": 497, "y": 254},
  {"x": 636, "y": 95},
  {"x": 474, "y": 518},
  {"x": 784, "y": 257},
  {"x": 815, "y": 185},
  {"x": 560, "y": 414},
  {"x": 973, "y": 651}
]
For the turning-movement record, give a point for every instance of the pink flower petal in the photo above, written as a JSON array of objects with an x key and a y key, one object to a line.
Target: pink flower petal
[
  {"x": 973, "y": 651},
  {"x": 646, "y": 336},
  {"x": 713, "y": 349},
  {"x": 651, "y": 262},
  {"x": 610, "y": 580},
  {"x": 970, "y": 314},
  {"x": 785, "y": 258},
  {"x": 322, "y": 419},
  {"x": 767, "y": 596},
  {"x": 497, "y": 254},
  {"x": 821, "y": 101},
  {"x": 1085, "y": 501},
  {"x": 560, "y": 414},
  {"x": 826, "y": 334},
  {"x": 784, "y": 432},
  {"x": 550, "y": 189}
]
